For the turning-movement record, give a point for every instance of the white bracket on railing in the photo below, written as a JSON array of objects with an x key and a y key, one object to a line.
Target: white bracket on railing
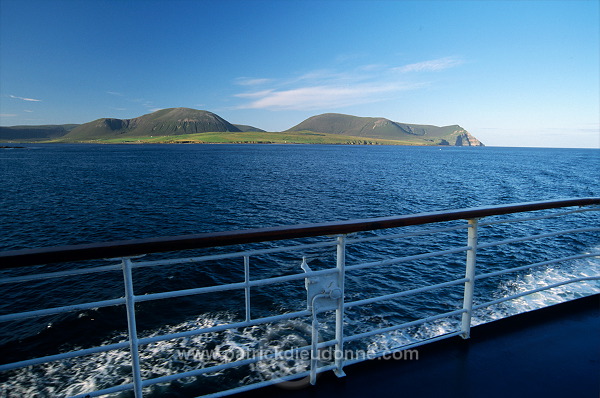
[{"x": 322, "y": 292}]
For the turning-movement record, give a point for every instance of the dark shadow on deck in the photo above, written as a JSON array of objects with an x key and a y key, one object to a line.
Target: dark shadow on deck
[{"x": 552, "y": 352}]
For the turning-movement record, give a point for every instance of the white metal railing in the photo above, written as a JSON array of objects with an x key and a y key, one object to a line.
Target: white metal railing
[{"x": 325, "y": 292}]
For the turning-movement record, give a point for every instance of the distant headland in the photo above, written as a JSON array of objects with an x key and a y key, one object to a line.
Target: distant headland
[{"x": 185, "y": 125}]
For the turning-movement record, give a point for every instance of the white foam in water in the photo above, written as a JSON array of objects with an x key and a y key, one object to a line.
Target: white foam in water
[
  {"x": 513, "y": 285},
  {"x": 68, "y": 377},
  {"x": 107, "y": 369},
  {"x": 103, "y": 370},
  {"x": 537, "y": 278}
]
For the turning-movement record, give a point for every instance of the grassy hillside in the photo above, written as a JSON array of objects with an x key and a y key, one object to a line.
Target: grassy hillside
[
  {"x": 381, "y": 128},
  {"x": 297, "y": 137},
  {"x": 166, "y": 122},
  {"x": 245, "y": 128},
  {"x": 35, "y": 133}
]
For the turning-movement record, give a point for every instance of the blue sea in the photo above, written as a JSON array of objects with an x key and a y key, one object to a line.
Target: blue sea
[{"x": 59, "y": 194}]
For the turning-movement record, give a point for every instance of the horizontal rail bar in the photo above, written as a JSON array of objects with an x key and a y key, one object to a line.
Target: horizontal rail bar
[
  {"x": 65, "y": 355},
  {"x": 189, "y": 292},
  {"x": 228, "y": 365},
  {"x": 552, "y": 286},
  {"x": 404, "y": 347},
  {"x": 106, "y": 391},
  {"x": 197, "y": 372},
  {"x": 60, "y": 310},
  {"x": 539, "y": 236},
  {"x": 232, "y": 286},
  {"x": 118, "y": 267},
  {"x": 404, "y": 293},
  {"x": 398, "y": 260},
  {"x": 99, "y": 393},
  {"x": 255, "y": 386},
  {"x": 408, "y": 235},
  {"x": 404, "y": 325},
  {"x": 267, "y": 383},
  {"x": 536, "y": 218},
  {"x": 225, "y": 326},
  {"x": 49, "y": 275},
  {"x": 27, "y": 257},
  {"x": 150, "y": 340},
  {"x": 540, "y": 264},
  {"x": 249, "y": 253}
]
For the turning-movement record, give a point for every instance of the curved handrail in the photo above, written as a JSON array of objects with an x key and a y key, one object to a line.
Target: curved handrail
[{"x": 126, "y": 248}]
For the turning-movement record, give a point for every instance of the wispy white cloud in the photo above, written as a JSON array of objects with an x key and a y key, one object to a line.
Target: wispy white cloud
[
  {"x": 255, "y": 94},
  {"x": 324, "y": 88},
  {"x": 25, "y": 99},
  {"x": 27, "y": 110},
  {"x": 115, "y": 93},
  {"x": 317, "y": 97},
  {"x": 8, "y": 114},
  {"x": 430, "y": 66}
]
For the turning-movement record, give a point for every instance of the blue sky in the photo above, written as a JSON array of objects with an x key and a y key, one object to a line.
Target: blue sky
[{"x": 513, "y": 73}]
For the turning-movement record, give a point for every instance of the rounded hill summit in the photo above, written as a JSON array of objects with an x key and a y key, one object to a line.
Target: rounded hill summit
[{"x": 165, "y": 122}]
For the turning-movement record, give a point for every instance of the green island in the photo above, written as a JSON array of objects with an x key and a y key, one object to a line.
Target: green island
[{"x": 191, "y": 126}]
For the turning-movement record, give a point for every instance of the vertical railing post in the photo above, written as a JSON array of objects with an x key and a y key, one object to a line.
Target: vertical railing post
[
  {"x": 314, "y": 343},
  {"x": 339, "y": 312},
  {"x": 133, "y": 340},
  {"x": 470, "y": 276},
  {"x": 247, "y": 288}
]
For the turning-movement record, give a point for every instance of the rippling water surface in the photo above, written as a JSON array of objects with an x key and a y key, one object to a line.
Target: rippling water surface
[{"x": 68, "y": 194}]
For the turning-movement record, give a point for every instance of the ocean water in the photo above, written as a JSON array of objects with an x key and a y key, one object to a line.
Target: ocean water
[{"x": 69, "y": 194}]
